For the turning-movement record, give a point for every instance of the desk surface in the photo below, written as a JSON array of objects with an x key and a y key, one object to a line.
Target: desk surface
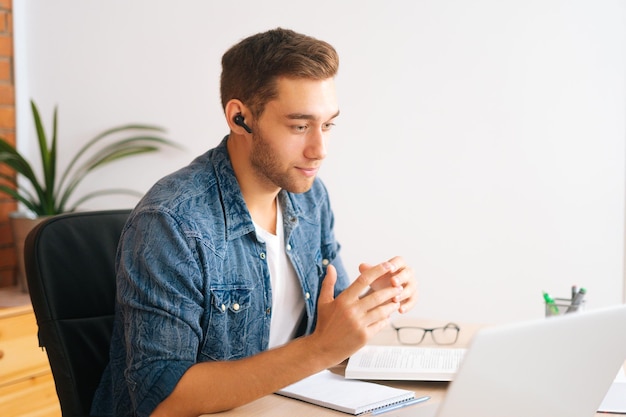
[{"x": 276, "y": 405}]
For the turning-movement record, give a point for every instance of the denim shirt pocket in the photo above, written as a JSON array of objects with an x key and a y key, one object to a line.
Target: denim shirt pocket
[{"x": 228, "y": 323}]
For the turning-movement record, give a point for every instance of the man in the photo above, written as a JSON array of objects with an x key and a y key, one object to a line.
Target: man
[{"x": 230, "y": 284}]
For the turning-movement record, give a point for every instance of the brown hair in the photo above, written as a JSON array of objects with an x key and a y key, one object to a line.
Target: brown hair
[{"x": 251, "y": 67}]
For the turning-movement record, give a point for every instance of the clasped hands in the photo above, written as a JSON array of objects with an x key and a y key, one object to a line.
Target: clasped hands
[{"x": 346, "y": 322}]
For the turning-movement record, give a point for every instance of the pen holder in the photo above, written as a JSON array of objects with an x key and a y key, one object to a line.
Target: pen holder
[{"x": 563, "y": 306}]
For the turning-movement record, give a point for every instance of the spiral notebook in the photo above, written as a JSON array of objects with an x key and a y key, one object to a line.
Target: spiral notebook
[{"x": 354, "y": 397}]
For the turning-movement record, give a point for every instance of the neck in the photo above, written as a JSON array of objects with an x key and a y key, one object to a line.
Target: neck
[
  {"x": 259, "y": 197},
  {"x": 265, "y": 217}
]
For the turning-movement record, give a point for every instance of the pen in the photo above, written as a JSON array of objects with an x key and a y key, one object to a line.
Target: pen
[
  {"x": 577, "y": 300},
  {"x": 574, "y": 292},
  {"x": 550, "y": 303},
  {"x": 400, "y": 405}
]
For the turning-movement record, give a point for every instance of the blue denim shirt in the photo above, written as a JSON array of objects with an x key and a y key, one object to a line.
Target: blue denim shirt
[{"x": 193, "y": 284}]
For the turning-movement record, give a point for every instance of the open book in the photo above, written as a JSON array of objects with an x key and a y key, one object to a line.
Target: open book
[
  {"x": 404, "y": 363},
  {"x": 353, "y": 397}
]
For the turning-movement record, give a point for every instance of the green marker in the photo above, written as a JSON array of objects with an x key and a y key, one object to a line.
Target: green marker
[{"x": 550, "y": 303}]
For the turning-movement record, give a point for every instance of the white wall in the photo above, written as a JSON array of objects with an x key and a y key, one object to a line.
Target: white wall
[{"x": 483, "y": 140}]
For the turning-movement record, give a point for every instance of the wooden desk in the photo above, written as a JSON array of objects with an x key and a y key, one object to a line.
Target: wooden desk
[{"x": 276, "y": 405}]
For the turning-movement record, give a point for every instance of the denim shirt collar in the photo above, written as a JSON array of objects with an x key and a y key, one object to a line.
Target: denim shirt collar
[{"x": 238, "y": 220}]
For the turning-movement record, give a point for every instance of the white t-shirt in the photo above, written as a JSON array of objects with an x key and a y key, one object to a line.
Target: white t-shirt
[{"x": 287, "y": 299}]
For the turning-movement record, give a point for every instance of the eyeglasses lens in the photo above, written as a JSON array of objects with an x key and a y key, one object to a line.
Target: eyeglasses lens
[
  {"x": 445, "y": 335},
  {"x": 411, "y": 335}
]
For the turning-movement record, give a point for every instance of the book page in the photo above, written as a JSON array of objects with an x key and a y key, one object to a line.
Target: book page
[{"x": 405, "y": 362}]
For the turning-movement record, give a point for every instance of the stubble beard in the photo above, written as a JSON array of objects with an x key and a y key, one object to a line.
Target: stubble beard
[{"x": 269, "y": 169}]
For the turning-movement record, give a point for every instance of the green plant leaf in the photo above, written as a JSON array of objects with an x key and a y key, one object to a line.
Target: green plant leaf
[
  {"x": 43, "y": 144},
  {"x": 28, "y": 202},
  {"x": 93, "y": 164},
  {"x": 52, "y": 164},
  {"x": 118, "y": 150},
  {"x": 89, "y": 145},
  {"x": 51, "y": 197},
  {"x": 10, "y": 157}
]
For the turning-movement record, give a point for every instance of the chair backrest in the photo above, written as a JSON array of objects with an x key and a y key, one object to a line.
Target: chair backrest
[{"x": 70, "y": 269}]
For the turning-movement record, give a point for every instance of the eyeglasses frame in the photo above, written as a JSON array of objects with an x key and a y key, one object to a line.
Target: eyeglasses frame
[{"x": 428, "y": 330}]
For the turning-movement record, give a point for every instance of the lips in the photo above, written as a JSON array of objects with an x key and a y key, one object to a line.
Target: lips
[{"x": 309, "y": 172}]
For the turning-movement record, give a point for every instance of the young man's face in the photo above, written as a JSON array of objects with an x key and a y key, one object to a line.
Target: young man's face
[{"x": 289, "y": 139}]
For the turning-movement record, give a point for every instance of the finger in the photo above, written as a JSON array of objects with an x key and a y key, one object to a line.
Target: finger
[
  {"x": 399, "y": 262},
  {"x": 364, "y": 280},
  {"x": 378, "y": 326},
  {"x": 381, "y": 312},
  {"x": 407, "y": 305},
  {"x": 364, "y": 267},
  {"x": 399, "y": 265},
  {"x": 383, "y": 296},
  {"x": 327, "y": 292},
  {"x": 409, "y": 302},
  {"x": 408, "y": 298},
  {"x": 402, "y": 277}
]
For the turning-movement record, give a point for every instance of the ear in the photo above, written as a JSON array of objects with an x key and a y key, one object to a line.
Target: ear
[{"x": 232, "y": 109}]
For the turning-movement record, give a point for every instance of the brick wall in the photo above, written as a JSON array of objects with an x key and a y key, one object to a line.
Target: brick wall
[{"x": 7, "y": 131}]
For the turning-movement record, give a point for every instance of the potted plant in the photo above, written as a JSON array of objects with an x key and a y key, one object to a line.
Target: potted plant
[{"x": 50, "y": 194}]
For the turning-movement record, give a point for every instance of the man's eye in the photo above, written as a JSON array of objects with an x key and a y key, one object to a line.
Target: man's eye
[
  {"x": 300, "y": 129},
  {"x": 327, "y": 126}
]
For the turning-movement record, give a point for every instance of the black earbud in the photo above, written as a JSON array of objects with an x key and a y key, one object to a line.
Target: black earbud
[{"x": 239, "y": 121}]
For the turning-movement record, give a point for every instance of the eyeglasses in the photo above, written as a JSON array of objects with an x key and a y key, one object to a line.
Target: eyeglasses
[{"x": 410, "y": 335}]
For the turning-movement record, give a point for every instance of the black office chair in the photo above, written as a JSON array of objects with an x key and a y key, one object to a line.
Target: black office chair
[{"x": 70, "y": 272}]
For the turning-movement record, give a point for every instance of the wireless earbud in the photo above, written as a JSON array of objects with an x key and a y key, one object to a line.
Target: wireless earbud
[{"x": 239, "y": 121}]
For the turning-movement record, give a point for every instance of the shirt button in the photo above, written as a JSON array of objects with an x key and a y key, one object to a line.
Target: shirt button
[
  {"x": 288, "y": 246},
  {"x": 262, "y": 255},
  {"x": 307, "y": 296},
  {"x": 325, "y": 262},
  {"x": 268, "y": 311},
  {"x": 223, "y": 307},
  {"x": 236, "y": 307}
]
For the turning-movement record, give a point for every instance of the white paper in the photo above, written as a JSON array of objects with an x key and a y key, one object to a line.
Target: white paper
[
  {"x": 615, "y": 399},
  {"x": 350, "y": 396}
]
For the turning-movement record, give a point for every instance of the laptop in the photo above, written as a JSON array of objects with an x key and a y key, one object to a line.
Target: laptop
[{"x": 554, "y": 367}]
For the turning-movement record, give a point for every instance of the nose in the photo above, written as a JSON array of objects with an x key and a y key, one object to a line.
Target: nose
[{"x": 316, "y": 145}]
